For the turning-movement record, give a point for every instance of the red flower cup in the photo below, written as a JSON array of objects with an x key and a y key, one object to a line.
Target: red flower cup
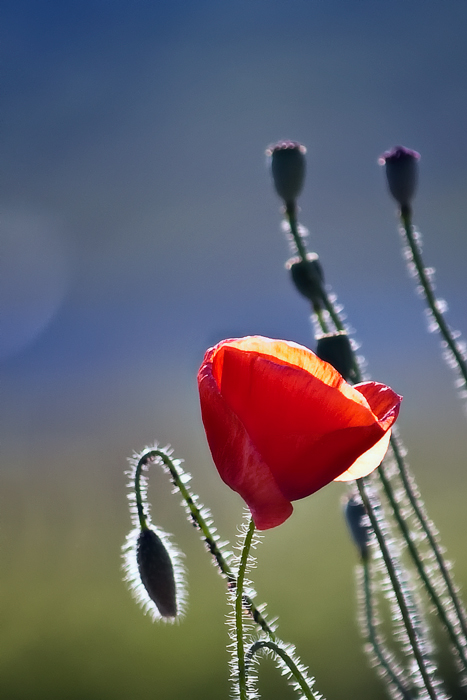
[{"x": 281, "y": 423}]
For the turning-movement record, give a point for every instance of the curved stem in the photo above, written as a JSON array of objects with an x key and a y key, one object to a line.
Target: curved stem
[
  {"x": 139, "y": 496},
  {"x": 242, "y": 676},
  {"x": 401, "y": 601},
  {"x": 288, "y": 661},
  {"x": 408, "y": 229},
  {"x": 201, "y": 523}
]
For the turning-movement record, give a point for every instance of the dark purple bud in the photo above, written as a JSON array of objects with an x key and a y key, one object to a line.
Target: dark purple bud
[
  {"x": 401, "y": 165},
  {"x": 308, "y": 277},
  {"x": 357, "y": 522},
  {"x": 288, "y": 167},
  {"x": 335, "y": 348},
  {"x": 156, "y": 572}
]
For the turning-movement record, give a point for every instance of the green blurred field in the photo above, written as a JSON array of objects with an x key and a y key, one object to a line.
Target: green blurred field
[{"x": 71, "y": 630}]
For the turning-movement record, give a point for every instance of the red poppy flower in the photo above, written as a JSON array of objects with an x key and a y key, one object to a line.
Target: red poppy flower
[{"x": 281, "y": 423}]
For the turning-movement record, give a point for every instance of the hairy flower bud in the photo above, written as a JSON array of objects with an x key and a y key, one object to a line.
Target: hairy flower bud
[
  {"x": 401, "y": 165},
  {"x": 288, "y": 169},
  {"x": 308, "y": 277},
  {"x": 156, "y": 572},
  {"x": 356, "y": 517},
  {"x": 335, "y": 348}
]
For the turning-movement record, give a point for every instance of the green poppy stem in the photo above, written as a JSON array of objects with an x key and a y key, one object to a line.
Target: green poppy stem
[
  {"x": 242, "y": 676},
  {"x": 291, "y": 213},
  {"x": 413, "y": 635},
  {"x": 139, "y": 496},
  {"x": 457, "y": 629},
  {"x": 408, "y": 230},
  {"x": 391, "y": 673},
  {"x": 200, "y": 517},
  {"x": 288, "y": 662}
]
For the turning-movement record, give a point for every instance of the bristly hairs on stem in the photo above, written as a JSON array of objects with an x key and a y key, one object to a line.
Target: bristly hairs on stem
[
  {"x": 198, "y": 515},
  {"x": 244, "y": 663},
  {"x": 381, "y": 657},
  {"x": 421, "y": 538},
  {"x": 410, "y": 626},
  {"x": 287, "y": 662},
  {"x": 405, "y": 500},
  {"x": 153, "y": 565},
  {"x": 240, "y": 625},
  {"x": 454, "y": 350}
]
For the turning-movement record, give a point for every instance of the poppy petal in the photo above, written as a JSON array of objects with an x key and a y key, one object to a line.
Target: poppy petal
[
  {"x": 368, "y": 461},
  {"x": 281, "y": 423},
  {"x": 242, "y": 468}
]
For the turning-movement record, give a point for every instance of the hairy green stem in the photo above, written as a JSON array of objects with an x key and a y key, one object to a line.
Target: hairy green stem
[
  {"x": 411, "y": 633},
  {"x": 242, "y": 676},
  {"x": 291, "y": 213},
  {"x": 139, "y": 496},
  {"x": 291, "y": 665},
  {"x": 201, "y": 524},
  {"x": 381, "y": 654},
  {"x": 408, "y": 228},
  {"x": 459, "y": 640},
  {"x": 400, "y": 597}
]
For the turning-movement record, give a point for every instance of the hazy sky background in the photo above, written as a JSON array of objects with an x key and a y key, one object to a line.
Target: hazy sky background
[{"x": 139, "y": 225}]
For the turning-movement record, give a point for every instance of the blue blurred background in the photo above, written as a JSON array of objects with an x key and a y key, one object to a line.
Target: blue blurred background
[{"x": 139, "y": 227}]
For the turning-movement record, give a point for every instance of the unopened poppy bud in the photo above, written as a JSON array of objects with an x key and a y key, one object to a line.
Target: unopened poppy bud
[
  {"x": 356, "y": 517},
  {"x": 308, "y": 277},
  {"x": 401, "y": 165},
  {"x": 288, "y": 169},
  {"x": 156, "y": 572},
  {"x": 335, "y": 348}
]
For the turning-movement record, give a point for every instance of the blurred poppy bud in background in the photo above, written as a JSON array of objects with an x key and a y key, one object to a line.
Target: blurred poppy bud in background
[
  {"x": 308, "y": 277},
  {"x": 401, "y": 166},
  {"x": 357, "y": 522},
  {"x": 288, "y": 168},
  {"x": 335, "y": 348}
]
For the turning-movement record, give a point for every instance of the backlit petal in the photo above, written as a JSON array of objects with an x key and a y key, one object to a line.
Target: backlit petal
[{"x": 281, "y": 423}]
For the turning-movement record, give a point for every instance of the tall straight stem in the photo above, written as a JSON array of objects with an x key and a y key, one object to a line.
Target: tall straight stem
[
  {"x": 459, "y": 640},
  {"x": 242, "y": 677},
  {"x": 406, "y": 219},
  {"x": 401, "y": 601}
]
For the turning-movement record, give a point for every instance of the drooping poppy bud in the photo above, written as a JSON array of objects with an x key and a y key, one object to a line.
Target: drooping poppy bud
[
  {"x": 288, "y": 168},
  {"x": 357, "y": 522},
  {"x": 335, "y": 348},
  {"x": 281, "y": 423},
  {"x": 308, "y": 277},
  {"x": 156, "y": 572},
  {"x": 401, "y": 166}
]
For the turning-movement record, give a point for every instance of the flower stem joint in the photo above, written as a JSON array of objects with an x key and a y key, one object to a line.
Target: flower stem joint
[
  {"x": 401, "y": 166},
  {"x": 356, "y": 517},
  {"x": 281, "y": 423}
]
